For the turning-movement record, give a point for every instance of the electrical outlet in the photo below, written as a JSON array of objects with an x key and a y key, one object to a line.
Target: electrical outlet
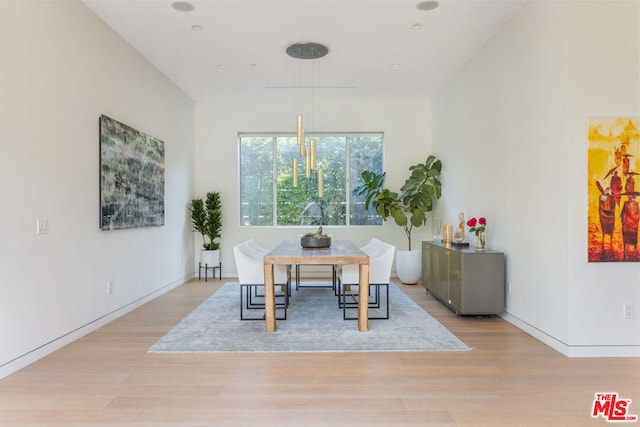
[
  {"x": 109, "y": 287},
  {"x": 627, "y": 311}
]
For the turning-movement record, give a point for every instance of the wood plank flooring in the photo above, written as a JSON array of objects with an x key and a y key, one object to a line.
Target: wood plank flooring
[{"x": 509, "y": 379}]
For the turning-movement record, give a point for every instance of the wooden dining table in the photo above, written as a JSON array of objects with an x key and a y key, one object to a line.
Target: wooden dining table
[{"x": 341, "y": 252}]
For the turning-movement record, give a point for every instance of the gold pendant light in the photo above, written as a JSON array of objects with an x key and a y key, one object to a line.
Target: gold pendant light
[
  {"x": 300, "y": 131},
  {"x": 314, "y": 153},
  {"x": 294, "y": 167},
  {"x": 306, "y": 51},
  {"x": 320, "y": 183}
]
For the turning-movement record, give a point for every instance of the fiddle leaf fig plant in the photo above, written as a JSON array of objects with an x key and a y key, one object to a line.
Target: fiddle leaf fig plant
[
  {"x": 206, "y": 218},
  {"x": 409, "y": 209}
]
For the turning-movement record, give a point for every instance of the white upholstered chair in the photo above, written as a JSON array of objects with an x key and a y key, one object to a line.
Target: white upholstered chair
[
  {"x": 250, "y": 267},
  {"x": 252, "y": 244},
  {"x": 380, "y": 263},
  {"x": 371, "y": 246},
  {"x": 337, "y": 269}
]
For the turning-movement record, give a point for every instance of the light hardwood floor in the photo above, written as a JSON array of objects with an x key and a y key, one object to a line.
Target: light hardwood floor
[{"x": 508, "y": 379}]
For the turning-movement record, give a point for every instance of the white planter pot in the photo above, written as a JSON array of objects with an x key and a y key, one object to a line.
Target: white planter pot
[
  {"x": 409, "y": 266},
  {"x": 210, "y": 258}
]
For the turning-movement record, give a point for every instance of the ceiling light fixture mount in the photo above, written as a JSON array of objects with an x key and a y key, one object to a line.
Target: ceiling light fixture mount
[
  {"x": 427, "y": 5},
  {"x": 182, "y": 6},
  {"x": 308, "y": 50}
]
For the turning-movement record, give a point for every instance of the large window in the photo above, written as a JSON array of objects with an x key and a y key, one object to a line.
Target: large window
[{"x": 267, "y": 194}]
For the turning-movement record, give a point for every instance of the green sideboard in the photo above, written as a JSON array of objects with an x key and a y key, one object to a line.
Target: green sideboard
[{"x": 467, "y": 281}]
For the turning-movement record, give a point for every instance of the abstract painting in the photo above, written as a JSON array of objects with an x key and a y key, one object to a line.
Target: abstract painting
[
  {"x": 614, "y": 163},
  {"x": 131, "y": 177}
]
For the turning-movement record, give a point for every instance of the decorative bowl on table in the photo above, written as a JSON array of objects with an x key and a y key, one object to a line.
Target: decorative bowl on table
[
  {"x": 315, "y": 242},
  {"x": 316, "y": 239}
]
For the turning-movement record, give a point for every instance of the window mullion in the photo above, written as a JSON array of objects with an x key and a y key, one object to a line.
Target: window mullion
[
  {"x": 347, "y": 182},
  {"x": 274, "y": 174}
]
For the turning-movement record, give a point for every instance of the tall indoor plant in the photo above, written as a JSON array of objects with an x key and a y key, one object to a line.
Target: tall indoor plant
[
  {"x": 408, "y": 209},
  {"x": 206, "y": 218}
]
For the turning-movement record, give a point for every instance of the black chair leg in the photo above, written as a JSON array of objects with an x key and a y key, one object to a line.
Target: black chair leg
[
  {"x": 247, "y": 302},
  {"x": 374, "y": 304}
]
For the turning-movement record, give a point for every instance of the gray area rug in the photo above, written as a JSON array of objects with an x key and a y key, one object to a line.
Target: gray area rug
[{"x": 314, "y": 324}]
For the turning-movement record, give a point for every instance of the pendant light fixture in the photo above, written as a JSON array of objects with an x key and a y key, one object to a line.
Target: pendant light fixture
[
  {"x": 306, "y": 97},
  {"x": 294, "y": 168}
]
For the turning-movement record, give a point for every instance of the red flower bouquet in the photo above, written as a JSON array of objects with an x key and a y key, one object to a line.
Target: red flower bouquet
[{"x": 477, "y": 225}]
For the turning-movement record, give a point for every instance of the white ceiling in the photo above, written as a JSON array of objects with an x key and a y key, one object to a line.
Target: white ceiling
[{"x": 373, "y": 49}]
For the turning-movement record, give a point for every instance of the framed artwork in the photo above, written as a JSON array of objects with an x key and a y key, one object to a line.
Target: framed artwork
[
  {"x": 131, "y": 177},
  {"x": 614, "y": 163}
]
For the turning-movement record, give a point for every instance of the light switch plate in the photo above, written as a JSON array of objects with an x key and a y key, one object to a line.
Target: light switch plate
[{"x": 42, "y": 226}]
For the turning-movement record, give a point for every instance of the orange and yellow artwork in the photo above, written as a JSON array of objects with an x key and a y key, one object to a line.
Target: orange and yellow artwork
[{"x": 614, "y": 166}]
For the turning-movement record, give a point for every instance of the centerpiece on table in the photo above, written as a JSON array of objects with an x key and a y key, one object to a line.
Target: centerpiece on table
[{"x": 316, "y": 239}]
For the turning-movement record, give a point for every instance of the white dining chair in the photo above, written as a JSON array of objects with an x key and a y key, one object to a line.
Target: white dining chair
[
  {"x": 252, "y": 244},
  {"x": 337, "y": 269},
  {"x": 280, "y": 269},
  {"x": 250, "y": 268},
  {"x": 380, "y": 263}
]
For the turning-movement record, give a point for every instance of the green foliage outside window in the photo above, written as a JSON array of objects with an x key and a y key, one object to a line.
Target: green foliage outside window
[{"x": 264, "y": 157}]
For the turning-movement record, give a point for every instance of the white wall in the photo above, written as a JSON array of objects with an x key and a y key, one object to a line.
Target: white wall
[
  {"x": 604, "y": 80},
  {"x": 61, "y": 69},
  {"x": 511, "y": 128},
  {"x": 406, "y": 125}
]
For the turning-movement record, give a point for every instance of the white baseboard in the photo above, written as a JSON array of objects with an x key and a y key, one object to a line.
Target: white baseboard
[
  {"x": 38, "y": 353},
  {"x": 604, "y": 351},
  {"x": 574, "y": 350}
]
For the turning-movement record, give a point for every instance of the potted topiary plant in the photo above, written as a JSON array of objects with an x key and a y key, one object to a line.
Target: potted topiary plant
[
  {"x": 206, "y": 218},
  {"x": 408, "y": 209}
]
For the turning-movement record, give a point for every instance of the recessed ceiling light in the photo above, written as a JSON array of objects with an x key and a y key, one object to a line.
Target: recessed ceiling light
[
  {"x": 221, "y": 66},
  {"x": 396, "y": 65},
  {"x": 427, "y": 5},
  {"x": 197, "y": 27},
  {"x": 416, "y": 26},
  {"x": 182, "y": 6}
]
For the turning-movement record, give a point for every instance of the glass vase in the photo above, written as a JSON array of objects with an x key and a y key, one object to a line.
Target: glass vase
[{"x": 481, "y": 241}]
